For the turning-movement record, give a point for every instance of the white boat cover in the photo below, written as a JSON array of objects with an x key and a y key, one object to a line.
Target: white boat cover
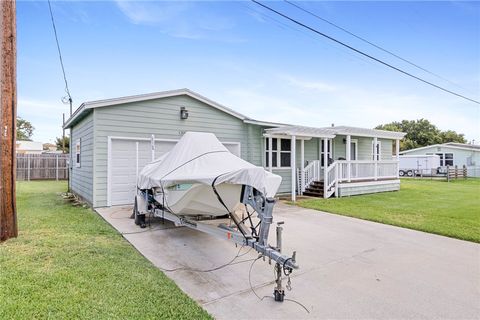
[{"x": 200, "y": 158}]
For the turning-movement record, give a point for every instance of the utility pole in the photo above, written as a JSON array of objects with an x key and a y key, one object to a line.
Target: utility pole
[{"x": 8, "y": 119}]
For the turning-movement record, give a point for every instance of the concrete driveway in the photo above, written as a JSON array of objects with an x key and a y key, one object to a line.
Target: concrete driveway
[{"x": 350, "y": 268}]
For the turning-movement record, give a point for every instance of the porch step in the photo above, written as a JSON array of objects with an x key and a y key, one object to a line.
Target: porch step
[
  {"x": 313, "y": 194},
  {"x": 315, "y": 189}
]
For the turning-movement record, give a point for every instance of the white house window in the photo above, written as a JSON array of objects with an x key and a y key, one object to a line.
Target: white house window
[
  {"x": 329, "y": 150},
  {"x": 77, "y": 154},
  {"x": 446, "y": 159},
  {"x": 379, "y": 150},
  {"x": 449, "y": 159},
  {"x": 281, "y": 152}
]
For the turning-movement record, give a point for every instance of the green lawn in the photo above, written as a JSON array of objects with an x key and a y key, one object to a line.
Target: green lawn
[
  {"x": 68, "y": 263},
  {"x": 450, "y": 209}
]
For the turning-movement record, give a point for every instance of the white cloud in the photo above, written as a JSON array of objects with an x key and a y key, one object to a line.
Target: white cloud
[
  {"x": 308, "y": 85},
  {"x": 179, "y": 19}
]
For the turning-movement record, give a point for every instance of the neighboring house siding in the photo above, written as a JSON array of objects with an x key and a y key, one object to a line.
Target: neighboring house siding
[
  {"x": 81, "y": 181},
  {"x": 161, "y": 117},
  {"x": 460, "y": 157}
]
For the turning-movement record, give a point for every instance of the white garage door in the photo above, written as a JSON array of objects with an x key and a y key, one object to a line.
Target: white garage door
[{"x": 124, "y": 166}]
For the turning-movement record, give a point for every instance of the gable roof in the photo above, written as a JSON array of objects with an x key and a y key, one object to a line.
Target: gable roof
[
  {"x": 452, "y": 145},
  {"x": 85, "y": 107}
]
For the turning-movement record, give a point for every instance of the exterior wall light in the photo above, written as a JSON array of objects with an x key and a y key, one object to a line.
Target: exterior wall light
[{"x": 183, "y": 113}]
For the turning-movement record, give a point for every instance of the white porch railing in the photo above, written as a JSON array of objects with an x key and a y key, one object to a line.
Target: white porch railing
[
  {"x": 312, "y": 172},
  {"x": 345, "y": 171},
  {"x": 330, "y": 180},
  {"x": 367, "y": 170}
]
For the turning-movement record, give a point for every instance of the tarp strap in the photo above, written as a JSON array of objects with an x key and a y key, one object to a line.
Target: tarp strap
[{"x": 226, "y": 208}]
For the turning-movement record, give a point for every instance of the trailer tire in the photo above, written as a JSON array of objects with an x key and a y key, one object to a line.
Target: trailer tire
[
  {"x": 401, "y": 173},
  {"x": 410, "y": 173},
  {"x": 139, "y": 218}
]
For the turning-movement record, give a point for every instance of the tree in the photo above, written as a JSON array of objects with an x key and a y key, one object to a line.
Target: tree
[
  {"x": 452, "y": 136},
  {"x": 59, "y": 143},
  {"x": 421, "y": 133},
  {"x": 24, "y": 129}
]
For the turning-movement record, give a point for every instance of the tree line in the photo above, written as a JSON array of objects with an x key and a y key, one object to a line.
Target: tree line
[{"x": 421, "y": 133}]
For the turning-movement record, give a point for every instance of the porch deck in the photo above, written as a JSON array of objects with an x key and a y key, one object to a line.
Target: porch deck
[{"x": 347, "y": 161}]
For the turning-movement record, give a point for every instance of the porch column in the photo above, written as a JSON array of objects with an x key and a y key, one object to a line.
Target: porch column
[
  {"x": 325, "y": 166},
  {"x": 270, "y": 153},
  {"x": 397, "y": 153},
  {"x": 375, "y": 158},
  {"x": 348, "y": 155},
  {"x": 292, "y": 166},
  {"x": 302, "y": 166}
]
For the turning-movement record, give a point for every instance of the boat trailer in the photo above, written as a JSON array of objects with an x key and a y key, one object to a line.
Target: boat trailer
[{"x": 244, "y": 232}]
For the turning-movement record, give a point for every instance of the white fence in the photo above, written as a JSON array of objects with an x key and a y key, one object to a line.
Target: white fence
[{"x": 42, "y": 167}]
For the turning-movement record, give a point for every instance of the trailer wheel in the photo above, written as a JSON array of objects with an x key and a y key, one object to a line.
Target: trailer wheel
[
  {"x": 410, "y": 173},
  {"x": 401, "y": 173},
  {"x": 139, "y": 218}
]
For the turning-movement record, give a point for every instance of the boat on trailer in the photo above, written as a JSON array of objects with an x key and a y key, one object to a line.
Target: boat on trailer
[{"x": 201, "y": 179}]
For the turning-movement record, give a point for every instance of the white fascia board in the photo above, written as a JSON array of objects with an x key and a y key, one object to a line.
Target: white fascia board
[
  {"x": 399, "y": 136},
  {"x": 440, "y": 146},
  {"x": 303, "y": 136},
  {"x": 265, "y": 123}
]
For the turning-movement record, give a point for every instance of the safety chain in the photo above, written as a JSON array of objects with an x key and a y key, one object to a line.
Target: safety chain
[{"x": 289, "y": 284}]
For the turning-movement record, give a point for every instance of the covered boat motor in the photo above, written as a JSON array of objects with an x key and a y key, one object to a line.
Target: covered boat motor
[{"x": 201, "y": 179}]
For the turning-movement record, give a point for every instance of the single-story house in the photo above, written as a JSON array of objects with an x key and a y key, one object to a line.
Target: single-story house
[
  {"x": 453, "y": 154},
  {"x": 110, "y": 143},
  {"x": 28, "y": 147}
]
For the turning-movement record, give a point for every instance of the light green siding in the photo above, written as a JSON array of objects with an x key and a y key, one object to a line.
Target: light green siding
[
  {"x": 365, "y": 148},
  {"x": 339, "y": 148},
  {"x": 161, "y": 117},
  {"x": 286, "y": 175},
  {"x": 81, "y": 178}
]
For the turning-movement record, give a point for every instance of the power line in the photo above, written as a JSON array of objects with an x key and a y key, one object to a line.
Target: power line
[
  {"x": 363, "y": 53},
  {"x": 369, "y": 42},
  {"x": 60, "y": 56}
]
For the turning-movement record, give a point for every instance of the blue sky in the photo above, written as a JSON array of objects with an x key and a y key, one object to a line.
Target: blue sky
[{"x": 244, "y": 57}]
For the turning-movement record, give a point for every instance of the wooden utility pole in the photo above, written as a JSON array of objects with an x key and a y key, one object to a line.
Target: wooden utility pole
[{"x": 8, "y": 119}]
